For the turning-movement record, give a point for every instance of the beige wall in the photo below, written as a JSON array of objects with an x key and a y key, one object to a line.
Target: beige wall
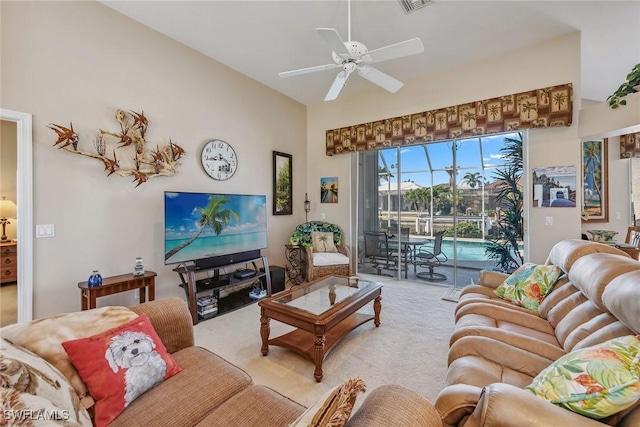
[
  {"x": 8, "y": 158},
  {"x": 553, "y": 62},
  {"x": 79, "y": 62}
]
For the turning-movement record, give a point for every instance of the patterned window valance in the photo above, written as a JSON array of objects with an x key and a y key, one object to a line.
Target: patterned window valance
[
  {"x": 630, "y": 145},
  {"x": 550, "y": 106}
]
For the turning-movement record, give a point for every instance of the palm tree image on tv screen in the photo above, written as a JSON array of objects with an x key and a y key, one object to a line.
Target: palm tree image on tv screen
[{"x": 202, "y": 225}]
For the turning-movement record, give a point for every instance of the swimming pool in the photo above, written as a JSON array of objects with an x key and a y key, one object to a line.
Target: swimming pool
[{"x": 466, "y": 250}]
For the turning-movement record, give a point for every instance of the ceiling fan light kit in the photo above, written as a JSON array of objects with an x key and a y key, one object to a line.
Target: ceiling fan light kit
[{"x": 352, "y": 55}]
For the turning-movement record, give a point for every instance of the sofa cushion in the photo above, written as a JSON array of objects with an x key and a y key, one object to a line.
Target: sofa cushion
[
  {"x": 566, "y": 252},
  {"x": 256, "y": 406},
  {"x": 327, "y": 258},
  {"x": 44, "y": 337},
  {"x": 323, "y": 241},
  {"x": 621, "y": 299},
  {"x": 596, "y": 381},
  {"x": 592, "y": 273},
  {"x": 334, "y": 407},
  {"x": 205, "y": 383},
  {"x": 30, "y": 383},
  {"x": 120, "y": 364},
  {"x": 529, "y": 285}
]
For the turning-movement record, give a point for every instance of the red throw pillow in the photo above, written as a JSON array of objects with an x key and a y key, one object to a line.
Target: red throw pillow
[{"x": 120, "y": 364}]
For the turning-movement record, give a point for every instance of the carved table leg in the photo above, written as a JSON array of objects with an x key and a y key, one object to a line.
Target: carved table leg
[
  {"x": 264, "y": 333},
  {"x": 377, "y": 307},
  {"x": 318, "y": 356}
]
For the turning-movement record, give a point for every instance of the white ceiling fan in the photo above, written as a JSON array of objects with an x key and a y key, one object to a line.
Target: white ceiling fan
[{"x": 353, "y": 55}]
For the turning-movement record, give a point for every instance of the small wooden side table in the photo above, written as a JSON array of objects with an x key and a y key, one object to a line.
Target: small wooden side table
[{"x": 115, "y": 285}]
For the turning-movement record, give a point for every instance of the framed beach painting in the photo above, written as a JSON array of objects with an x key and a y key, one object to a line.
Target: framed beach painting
[
  {"x": 595, "y": 186},
  {"x": 282, "y": 184}
]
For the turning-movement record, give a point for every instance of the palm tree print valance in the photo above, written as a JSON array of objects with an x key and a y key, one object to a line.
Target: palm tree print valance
[
  {"x": 630, "y": 145},
  {"x": 550, "y": 106}
]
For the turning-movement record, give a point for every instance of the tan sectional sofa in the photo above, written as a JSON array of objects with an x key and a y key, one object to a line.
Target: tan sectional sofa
[
  {"x": 498, "y": 348},
  {"x": 210, "y": 391}
]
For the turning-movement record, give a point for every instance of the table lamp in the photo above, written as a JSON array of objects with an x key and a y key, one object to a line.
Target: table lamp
[{"x": 7, "y": 210}]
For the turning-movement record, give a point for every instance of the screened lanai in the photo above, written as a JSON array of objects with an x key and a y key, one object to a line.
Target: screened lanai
[{"x": 445, "y": 186}]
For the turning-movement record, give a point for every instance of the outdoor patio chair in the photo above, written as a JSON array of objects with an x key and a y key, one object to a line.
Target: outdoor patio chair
[
  {"x": 430, "y": 258},
  {"x": 378, "y": 252}
]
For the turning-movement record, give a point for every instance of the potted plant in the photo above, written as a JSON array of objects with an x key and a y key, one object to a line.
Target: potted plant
[
  {"x": 630, "y": 86},
  {"x": 503, "y": 246}
]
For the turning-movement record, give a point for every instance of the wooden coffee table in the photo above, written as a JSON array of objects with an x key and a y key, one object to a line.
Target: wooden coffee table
[{"x": 323, "y": 311}]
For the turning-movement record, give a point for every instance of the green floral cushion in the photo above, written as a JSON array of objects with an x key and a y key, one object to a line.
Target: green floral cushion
[
  {"x": 302, "y": 233},
  {"x": 529, "y": 285},
  {"x": 596, "y": 381}
]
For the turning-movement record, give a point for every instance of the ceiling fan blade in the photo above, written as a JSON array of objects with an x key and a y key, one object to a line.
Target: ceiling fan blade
[
  {"x": 337, "y": 85},
  {"x": 405, "y": 48},
  {"x": 332, "y": 37},
  {"x": 381, "y": 79},
  {"x": 308, "y": 70}
]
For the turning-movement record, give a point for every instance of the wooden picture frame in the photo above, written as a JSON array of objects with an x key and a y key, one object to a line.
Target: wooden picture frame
[
  {"x": 282, "y": 183},
  {"x": 595, "y": 181}
]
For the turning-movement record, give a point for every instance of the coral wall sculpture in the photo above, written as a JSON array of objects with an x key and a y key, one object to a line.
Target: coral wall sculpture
[{"x": 145, "y": 163}]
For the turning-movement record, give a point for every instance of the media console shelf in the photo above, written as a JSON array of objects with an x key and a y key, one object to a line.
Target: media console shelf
[{"x": 229, "y": 290}]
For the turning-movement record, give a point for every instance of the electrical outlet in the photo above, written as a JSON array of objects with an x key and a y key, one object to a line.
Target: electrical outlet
[{"x": 548, "y": 220}]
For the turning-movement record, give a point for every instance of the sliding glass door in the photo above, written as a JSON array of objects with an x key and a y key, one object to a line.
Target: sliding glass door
[{"x": 433, "y": 207}]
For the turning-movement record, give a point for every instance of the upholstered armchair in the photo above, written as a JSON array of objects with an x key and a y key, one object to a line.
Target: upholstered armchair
[{"x": 324, "y": 252}]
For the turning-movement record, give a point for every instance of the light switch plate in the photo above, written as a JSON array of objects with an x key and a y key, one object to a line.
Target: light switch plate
[{"x": 44, "y": 231}]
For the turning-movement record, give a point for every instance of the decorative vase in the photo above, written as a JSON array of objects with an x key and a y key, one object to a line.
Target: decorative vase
[
  {"x": 138, "y": 268},
  {"x": 602, "y": 236},
  {"x": 95, "y": 279}
]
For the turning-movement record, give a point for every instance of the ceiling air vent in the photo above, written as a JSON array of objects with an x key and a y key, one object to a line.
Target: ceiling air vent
[{"x": 413, "y": 5}]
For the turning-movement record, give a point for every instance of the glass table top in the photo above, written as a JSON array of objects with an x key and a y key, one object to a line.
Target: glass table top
[{"x": 318, "y": 297}]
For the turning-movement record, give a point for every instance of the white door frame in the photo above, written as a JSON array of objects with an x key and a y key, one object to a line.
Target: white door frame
[{"x": 24, "y": 226}]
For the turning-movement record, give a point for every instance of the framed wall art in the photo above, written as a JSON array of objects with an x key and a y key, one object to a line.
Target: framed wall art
[
  {"x": 554, "y": 187},
  {"x": 282, "y": 184},
  {"x": 595, "y": 181},
  {"x": 329, "y": 190}
]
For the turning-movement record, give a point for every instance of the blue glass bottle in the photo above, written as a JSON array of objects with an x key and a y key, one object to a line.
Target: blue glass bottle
[{"x": 95, "y": 279}]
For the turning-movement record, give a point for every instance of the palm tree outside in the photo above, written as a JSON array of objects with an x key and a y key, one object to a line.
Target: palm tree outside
[{"x": 473, "y": 179}]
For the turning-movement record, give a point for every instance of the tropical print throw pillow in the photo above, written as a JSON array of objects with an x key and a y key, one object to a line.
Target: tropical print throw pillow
[
  {"x": 529, "y": 285},
  {"x": 597, "y": 381}
]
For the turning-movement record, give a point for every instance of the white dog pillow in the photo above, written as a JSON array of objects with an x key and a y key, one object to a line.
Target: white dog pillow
[
  {"x": 121, "y": 364},
  {"x": 144, "y": 368}
]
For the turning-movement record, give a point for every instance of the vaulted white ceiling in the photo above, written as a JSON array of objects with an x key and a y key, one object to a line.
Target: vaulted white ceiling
[{"x": 262, "y": 38}]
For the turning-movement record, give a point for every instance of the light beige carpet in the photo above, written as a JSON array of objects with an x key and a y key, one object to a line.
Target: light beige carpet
[{"x": 409, "y": 348}]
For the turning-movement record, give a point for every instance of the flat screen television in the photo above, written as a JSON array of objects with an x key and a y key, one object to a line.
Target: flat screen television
[{"x": 206, "y": 225}]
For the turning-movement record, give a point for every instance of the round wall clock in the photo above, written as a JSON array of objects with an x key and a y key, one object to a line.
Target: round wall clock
[{"x": 219, "y": 160}]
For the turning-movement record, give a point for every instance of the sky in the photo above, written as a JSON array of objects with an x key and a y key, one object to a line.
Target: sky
[
  {"x": 468, "y": 159},
  {"x": 181, "y": 216}
]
